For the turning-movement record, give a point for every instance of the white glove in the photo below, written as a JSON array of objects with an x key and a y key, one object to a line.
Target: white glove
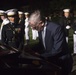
[
  {"x": 75, "y": 32},
  {"x": 67, "y": 27}
]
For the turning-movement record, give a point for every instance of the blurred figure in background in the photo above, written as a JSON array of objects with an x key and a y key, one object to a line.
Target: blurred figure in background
[
  {"x": 5, "y": 21},
  {"x": 34, "y": 34},
  {"x": 74, "y": 33},
  {"x": 22, "y": 23},
  {"x": 11, "y": 32},
  {"x": 26, "y": 28},
  {"x": 65, "y": 22}
]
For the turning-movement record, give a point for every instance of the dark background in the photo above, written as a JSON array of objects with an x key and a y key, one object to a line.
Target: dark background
[
  {"x": 37, "y": 3},
  {"x": 45, "y": 5}
]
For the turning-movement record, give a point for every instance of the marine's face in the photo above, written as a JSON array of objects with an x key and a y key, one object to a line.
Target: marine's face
[
  {"x": 20, "y": 15},
  {"x": 26, "y": 16},
  {"x": 38, "y": 26},
  {"x": 12, "y": 19},
  {"x": 66, "y": 14},
  {"x": 2, "y": 17}
]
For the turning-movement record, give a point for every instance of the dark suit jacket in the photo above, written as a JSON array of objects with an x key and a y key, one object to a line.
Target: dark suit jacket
[{"x": 54, "y": 41}]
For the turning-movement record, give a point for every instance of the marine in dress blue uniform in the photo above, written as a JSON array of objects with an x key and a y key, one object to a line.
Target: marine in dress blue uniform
[
  {"x": 11, "y": 32},
  {"x": 65, "y": 22}
]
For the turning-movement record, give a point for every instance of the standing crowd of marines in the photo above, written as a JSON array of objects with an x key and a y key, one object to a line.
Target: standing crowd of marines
[{"x": 14, "y": 30}]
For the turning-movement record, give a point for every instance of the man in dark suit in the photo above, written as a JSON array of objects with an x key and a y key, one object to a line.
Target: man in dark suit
[{"x": 52, "y": 44}]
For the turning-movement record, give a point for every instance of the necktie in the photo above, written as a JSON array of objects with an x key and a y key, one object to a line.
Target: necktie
[{"x": 43, "y": 36}]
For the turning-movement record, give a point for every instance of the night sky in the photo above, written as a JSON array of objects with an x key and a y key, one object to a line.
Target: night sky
[
  {"x": 7, "y": 4},
  {"x": 34, "y": 4}
]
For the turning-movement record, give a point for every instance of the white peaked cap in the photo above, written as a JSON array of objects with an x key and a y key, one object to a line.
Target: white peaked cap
[
  {"x": 14, "y": 10},
  {"x": 66, "y": 10},
  {"x": 20, "y": 12},
  {"x": 26, "y": 13},
  {"x": 7, "y": 11},
  {"x": 2, "y": 12},
  {"x": 11, "y": 13}
]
